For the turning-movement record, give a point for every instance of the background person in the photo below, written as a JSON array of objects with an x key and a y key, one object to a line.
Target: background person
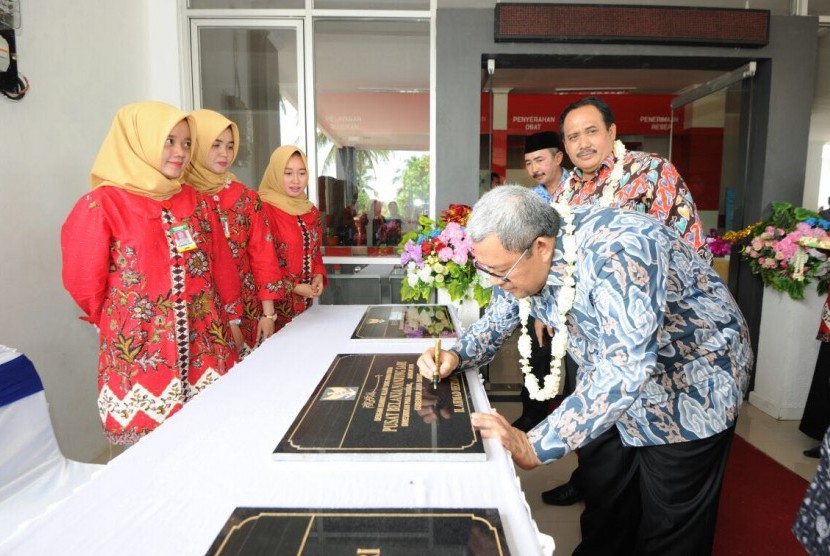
[
  {"x": 495, "y": 180},
  {"x": 243, "y": 225},
  {"x": 390, "y": 233},
  {"x": 298, "y": 232},
  {"x": 140, "y": 261},
  {"x": 606, "y": 174},
  {"x": 663, "y": 354},
  {"x": 816, "y": 417},
  {"x": 543, "y": 163}
]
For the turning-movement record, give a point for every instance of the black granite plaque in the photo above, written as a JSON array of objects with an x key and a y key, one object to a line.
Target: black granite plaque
[
  {"x": 379, "y": 407},
  {"x": 361, "y": 532},
  {"x": 405, "y": 321}
]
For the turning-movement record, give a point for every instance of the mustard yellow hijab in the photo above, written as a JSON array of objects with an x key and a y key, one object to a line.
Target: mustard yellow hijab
[
  {"x": 209, "y": 125},
  {"x": 272, "y": 191},
  {"x": 130, "y": 157}
]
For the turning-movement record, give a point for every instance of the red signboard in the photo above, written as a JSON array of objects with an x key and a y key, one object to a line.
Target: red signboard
[{"x": 635, "y": 114}]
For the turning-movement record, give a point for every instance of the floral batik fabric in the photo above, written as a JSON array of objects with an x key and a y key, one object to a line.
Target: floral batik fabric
[
  {"x": 662, "y": 348},
  {"x": 249, "y": 237},
  {"x": 161, "y": 311},
  {"x": 649, "y": 184},
  {"x": 824, "y": 324},
  {"x": 298, "y": 241}
]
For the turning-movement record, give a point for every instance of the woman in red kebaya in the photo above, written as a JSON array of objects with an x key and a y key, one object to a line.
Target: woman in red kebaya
[
  {"x": 243, "y": 225},
  {"x": 298, "y": 233},
  {"x": 140, "y": 261}
]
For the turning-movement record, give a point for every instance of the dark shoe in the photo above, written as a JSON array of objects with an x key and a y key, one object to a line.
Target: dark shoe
[
  {"x": 813, "y": 452},
  {"x": 525, "y": 423},
  {"x": 563, "y": 495}
]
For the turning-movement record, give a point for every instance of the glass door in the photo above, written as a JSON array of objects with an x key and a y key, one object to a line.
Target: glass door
[
  {"x": 252, "y": 72},
  {"x": 709, "y": 145}
]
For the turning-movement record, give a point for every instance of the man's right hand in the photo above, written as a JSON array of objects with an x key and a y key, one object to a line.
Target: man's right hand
[{"x": 448, "y": 363}]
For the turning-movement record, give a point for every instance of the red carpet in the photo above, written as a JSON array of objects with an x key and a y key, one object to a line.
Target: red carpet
[{"x": 758, "y": 504}]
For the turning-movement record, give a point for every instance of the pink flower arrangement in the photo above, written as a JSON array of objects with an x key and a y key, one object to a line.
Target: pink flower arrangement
[
  {"x": 439, "y": 255},
  {"x": 776, "y": 250}
]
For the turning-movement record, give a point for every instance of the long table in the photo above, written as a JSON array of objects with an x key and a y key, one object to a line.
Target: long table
[{"x": 172, "y": 492}]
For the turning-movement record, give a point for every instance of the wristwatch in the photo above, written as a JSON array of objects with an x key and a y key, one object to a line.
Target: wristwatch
[{"x": 272, "y": 316}]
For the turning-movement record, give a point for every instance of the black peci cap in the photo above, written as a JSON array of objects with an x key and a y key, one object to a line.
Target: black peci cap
[{"x": 542, "y": 140}]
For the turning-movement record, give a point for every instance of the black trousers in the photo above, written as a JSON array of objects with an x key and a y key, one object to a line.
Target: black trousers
[
  {"x": 816, "y": 417},
  {"x": 660, "y": 500},
  {"x": 540, "y": 365}
]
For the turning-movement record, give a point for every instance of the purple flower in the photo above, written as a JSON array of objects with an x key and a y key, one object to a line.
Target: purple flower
[{"x": 412, "y": 252}]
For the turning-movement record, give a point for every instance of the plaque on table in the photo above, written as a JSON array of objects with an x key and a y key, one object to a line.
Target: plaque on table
[
  {"x": 396, "y": 322},
  {"x": 361, "y": 531},
  {"x": 378, "y": 407}
]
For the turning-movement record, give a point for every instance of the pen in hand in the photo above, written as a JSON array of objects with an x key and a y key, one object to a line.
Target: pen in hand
[{"x": 436, "y": 377}]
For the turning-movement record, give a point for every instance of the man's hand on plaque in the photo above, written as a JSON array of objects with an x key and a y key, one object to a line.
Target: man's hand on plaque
[
  {"x": 493, "y": 425},
  {"x": 448, "y": 363}
]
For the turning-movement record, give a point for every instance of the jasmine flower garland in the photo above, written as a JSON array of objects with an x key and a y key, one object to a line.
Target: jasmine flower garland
[{"x": 565, "y": 300}]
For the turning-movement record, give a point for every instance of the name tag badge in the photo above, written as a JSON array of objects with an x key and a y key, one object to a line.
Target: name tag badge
[
  {"x": 225, "y": 227},
  {"x": 182, "y": 238}
]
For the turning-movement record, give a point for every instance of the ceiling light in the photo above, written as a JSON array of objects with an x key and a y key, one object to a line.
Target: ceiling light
[{"x": 603, "y": 90}]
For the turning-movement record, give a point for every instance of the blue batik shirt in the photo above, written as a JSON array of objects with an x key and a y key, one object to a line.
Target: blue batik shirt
[
  {"x": 662, "y": 348},
  {"x": 542, "y": 191}
]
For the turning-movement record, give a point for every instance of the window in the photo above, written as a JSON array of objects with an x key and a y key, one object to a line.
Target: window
[{"x": 372, "y": 114}]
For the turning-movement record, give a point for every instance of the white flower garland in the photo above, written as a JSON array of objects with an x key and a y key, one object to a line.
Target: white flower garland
[{"x": 559, "y": 342}]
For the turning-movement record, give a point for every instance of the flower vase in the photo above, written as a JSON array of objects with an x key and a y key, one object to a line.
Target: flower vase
[{"x": 466, "y": 309}]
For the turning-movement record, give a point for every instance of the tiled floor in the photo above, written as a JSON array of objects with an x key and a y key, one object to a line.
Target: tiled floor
[{"x": 781, "y": 440}]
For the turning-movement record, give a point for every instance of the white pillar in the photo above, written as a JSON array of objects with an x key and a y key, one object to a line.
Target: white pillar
[{"x": 786, "y": 353}]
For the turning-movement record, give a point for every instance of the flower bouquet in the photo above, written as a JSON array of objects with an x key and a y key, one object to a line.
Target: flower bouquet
[
  {"x": 719, "y": 245},
  {"x": 782, "y": 249},
  {"x": 439, "y": 255}
]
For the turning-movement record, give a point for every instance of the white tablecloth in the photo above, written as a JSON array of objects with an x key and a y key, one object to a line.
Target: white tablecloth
[{"x": 172, "y": 492}]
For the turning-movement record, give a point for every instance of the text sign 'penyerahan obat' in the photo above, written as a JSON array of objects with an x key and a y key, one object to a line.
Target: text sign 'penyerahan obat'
[
  {"x": 361, "y": 532},
  {"x": 377, "y": 407},
  {"x": 395, "y": 322}
]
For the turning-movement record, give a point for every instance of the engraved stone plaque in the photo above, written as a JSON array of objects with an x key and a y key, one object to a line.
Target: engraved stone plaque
[
  {"x": 396, "y": 322},
  {"x": 378, "y": 407},
  {"x": 367, "y": 532}
]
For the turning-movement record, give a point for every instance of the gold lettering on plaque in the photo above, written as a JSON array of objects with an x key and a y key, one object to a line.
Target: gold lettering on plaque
[
  {"x": 367, "y": 552},
  {"x": 383, "y": 393},
  {"x": 419, "y": 398},
  {"x": 457, "y": 398},
  {"x": 392, "y": 417},
  {"x": 370, "y": 398},
  {"x": 407, "y": 405}
]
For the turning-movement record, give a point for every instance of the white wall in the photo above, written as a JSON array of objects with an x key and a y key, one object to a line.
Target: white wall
[
  {"x": 83, "y": 60},
  {"x": 819, "y": 127}
]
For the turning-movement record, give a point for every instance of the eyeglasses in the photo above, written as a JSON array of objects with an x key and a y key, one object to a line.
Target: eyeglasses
[{"x": 501, "y": 277}]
